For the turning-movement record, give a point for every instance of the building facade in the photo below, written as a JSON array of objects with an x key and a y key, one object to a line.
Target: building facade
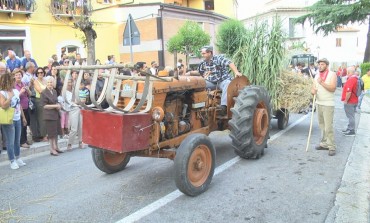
[
  {"x": 346, "y": 45},
  {"x": 45, "y": 27}
]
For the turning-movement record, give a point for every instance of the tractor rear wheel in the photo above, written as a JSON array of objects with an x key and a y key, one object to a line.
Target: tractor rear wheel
[
  {"x": 194, "y": 164},
  {"x": 250, "y": 122},
  {"x": 109, "y": 162}
]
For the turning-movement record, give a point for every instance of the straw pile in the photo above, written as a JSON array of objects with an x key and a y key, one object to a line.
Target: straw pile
[{"x": 294, "y": 92}]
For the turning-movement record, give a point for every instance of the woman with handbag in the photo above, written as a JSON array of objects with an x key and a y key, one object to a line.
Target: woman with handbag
[
  {"x": 49, "y": 101},
  {"x": 10, "y": 119},
  {"x": 24, "y": 94}
]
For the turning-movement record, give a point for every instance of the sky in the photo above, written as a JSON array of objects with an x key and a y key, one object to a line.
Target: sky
[{"x": 247, "y": 8}]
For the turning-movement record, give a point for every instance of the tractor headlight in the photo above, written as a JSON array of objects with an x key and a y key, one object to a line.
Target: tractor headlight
[{"x": 157, "y": 114}]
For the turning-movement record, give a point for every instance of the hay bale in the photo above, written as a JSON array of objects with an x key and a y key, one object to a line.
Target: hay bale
[{"x": 295, "y": 91}]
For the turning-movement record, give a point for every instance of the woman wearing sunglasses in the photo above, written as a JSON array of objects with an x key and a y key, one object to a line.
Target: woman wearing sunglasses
[{"x": 39, "y": 85}]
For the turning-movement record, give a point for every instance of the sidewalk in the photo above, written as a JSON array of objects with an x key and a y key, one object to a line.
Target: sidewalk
[
  {"x": 352, "y": 198},
  {"x": 35, "y": 148}
]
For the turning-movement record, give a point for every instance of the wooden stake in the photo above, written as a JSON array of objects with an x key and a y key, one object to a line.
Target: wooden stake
[{"x": 309, "y": 132}]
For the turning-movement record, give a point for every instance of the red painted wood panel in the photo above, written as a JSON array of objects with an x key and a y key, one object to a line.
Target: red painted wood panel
[{"x": 116, "y": 132}]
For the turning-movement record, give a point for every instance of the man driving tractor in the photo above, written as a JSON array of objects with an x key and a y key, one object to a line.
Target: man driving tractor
[{"x": 214, "y": 68}]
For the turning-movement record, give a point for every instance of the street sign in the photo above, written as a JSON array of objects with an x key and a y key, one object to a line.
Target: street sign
[{"x": 132, "y": 31}]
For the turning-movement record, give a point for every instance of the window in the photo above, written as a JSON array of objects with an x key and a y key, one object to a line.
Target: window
[
  {"x": 16, "y": 45},
  {"x": 338, "y": 42},
  {"x": 70, "y": 50},
  {"x": 209, "y": 5},
  {"x": 291, "y": 27},
  {"x": 295, "y": 30}
]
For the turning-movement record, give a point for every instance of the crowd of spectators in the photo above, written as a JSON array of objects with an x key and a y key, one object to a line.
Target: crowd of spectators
[{"x": 35, "y": 93}]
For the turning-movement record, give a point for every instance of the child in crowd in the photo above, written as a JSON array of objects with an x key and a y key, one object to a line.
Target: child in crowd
[
  {"x": 84, "y": 94},
  {"x": 64, "y": 116}
]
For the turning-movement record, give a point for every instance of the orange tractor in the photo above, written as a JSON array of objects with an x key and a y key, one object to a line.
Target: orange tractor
[{"x": 170, "y": 117}]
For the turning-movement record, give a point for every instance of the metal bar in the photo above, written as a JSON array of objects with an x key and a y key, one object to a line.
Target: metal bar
[
  {"x": 139, "y": 78},
  {"x": 91, "y": 67}
]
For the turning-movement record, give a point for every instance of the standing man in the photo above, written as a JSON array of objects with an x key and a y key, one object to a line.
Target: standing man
[
  {"x": 13, "y": 62},
  {"x": 27, "y": 58},
  {"x": 350, "y": 100},
  {"x": 215, "y": 69},
  {"x": 324, "y": 88},
  {"x": 366, "y": 80},
  {"x": 154, "y": 68},
  {"x": 27, "y": 77}
]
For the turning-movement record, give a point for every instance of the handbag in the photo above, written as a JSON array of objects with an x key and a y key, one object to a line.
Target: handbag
[
  {"x": 31, "y": 104},
  {"x": 6, "y": 116}
]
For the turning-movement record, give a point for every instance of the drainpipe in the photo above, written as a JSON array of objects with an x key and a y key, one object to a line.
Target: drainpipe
[{"x": 161, "y": 37}]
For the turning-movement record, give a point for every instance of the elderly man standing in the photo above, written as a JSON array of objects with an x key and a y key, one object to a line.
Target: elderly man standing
[
  {"x": 13, "y": 62},
  {"x": 27, "y": 58},
  {"x": 324, "y": 88},
  {"x": 350, "y": 100},
  {"x": 215, "y": 69}
]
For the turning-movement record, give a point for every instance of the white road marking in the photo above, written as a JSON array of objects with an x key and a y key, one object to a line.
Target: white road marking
[{"x": 139, "y": 214}]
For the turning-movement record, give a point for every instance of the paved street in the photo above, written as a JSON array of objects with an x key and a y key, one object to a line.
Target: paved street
[{"x": 285, "y": 185}]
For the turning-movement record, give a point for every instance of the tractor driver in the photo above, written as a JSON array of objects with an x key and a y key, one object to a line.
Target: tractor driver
[{"x": 215, "y": 69}]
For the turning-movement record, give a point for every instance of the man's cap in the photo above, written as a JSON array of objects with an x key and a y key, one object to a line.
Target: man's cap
[
  {"x": 324, "y": 60},
  {"x": 207, "y": 48}
]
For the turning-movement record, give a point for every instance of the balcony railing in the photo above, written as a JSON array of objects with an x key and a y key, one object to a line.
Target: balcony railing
[
  {"x": 12, "y": 7},
  {"x": 68, "y": 8}
]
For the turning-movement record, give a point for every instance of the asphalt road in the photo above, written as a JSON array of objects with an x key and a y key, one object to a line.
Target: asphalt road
[{"x": 285, "y": 185}]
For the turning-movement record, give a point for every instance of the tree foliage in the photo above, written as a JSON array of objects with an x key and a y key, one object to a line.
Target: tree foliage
[
  {"x": 230, "y": 36},
  {"x": 328, "y": 15},
  {"x": 188, "y": 40}
]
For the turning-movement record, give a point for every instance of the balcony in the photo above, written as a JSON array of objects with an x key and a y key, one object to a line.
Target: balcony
[
  {"x": 70, "y": 8},
  {"x": 23, "y": 7}
]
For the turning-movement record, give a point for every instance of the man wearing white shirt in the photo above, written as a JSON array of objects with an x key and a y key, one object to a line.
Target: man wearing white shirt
[
  {"x": 27, "y": 77},
  {"x": 153, "y": 69}
]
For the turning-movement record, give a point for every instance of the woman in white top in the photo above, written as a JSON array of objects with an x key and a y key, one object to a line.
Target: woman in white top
[{"x": 9, "y": 97}]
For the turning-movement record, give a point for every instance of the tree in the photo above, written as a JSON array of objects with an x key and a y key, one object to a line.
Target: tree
[
  {"x": 86, "y": 26},
  {"x": 188, "y": 40},
  {"x": 328, "y": 15},
  {"x": 230, "y": 36},
  {"x": 81, "y": 21}
]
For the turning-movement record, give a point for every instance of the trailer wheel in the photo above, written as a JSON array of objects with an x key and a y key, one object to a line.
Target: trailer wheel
[
  {"x": 282, "y": 116},
  {"x": 109, "y": 162},
  {"x": 194, "y": 164},
  {"x": 249, "y": 125}
]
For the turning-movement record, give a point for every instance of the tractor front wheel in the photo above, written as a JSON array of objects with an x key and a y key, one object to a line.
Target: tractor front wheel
[
  {"x": 250, "y": 122},
  {"x": 194, "y": 164},
  {"x": 109, "y": 162}
]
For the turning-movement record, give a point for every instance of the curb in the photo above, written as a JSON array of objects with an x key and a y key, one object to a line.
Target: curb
[
  {"x": 35, "y": 148},
  {"x": 352, "y": 198}
]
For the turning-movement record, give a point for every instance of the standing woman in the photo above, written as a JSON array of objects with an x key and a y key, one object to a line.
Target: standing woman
[
  {"x": 24, "y": 94},
  {"x": 75, "y": 118},
  {"x": 49, "y": 101},
  {"x": 39, "y": 85},
  {"x": 9, "y": 97},
  {"x": 58, "y": 85}
]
